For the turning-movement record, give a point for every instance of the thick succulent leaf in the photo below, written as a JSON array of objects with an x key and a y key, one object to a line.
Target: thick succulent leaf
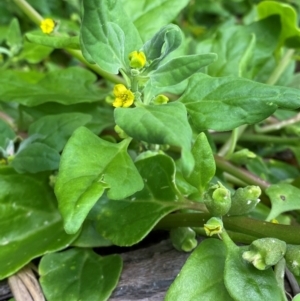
[
  {"x": 36, "y": 157},
  {"x": 57, "y": 129},
  {"x": 205, "y": 166},
  {"x": 107, "y": 38},
  {"x": 137, "y": 215},
  {"x": 201, "y": 277},
  {"x": 225, "y": 103},
  {"x": 53, "y": 41},
  {"x": 89, "y": 165},
  {"x": 55, "y": 86},
  {"x": 79, "y": 274},
  {"x": 290, "y": 32},
  {"x": 245, "y": 282},
  {"x": 166, "y": 40},
  {"x": 144, "y": 12},
  {"x": 284, "y": 197},
  {"x": 164, "y": 124},
  {"x": 31, "y": 224}
]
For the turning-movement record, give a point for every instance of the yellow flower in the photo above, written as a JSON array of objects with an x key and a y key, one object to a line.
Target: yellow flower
[
  {"x": 213, "y": 226},
  {"x": 47, "y": 25},
  {"x": 124, "y": 97},
  {"x": 137, "y": 59}
]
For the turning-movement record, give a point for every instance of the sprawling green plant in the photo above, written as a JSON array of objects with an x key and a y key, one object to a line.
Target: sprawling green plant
[{"x": 170, "y": 129}]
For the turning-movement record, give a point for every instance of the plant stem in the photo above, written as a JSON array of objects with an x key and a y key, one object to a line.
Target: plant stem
[
  {"x": 240, "y": 173},
  {"x": 111, "y": 77},
  {"x": 237, "y": 224},
  {"x": 228, "y": 148},
  {"x": 278, "y": 125},
  {"x": 28, "y": 10},
  {"x": 220, "y": 137},
  {"x": 280, "y": 68},
  {"x": 36, "y": 18}
]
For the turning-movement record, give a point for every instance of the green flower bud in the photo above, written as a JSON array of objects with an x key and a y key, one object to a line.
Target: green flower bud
[
  {"x": 184, "y": 239},
  {"x": 244, "y": 200},
  {"x": 265, "y": 252},
  {"x": 217, "y": 200},
  {"x": 137, "y": 59},
  {"x": 292, "y": 257},
  {"x": 242, "y": 156},
  {"x": 213, "y": 226},
  {"x": 160, "y": 99}
]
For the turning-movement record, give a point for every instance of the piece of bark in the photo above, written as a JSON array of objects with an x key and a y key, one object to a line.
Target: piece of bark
[{"x": 148, "y": 273}]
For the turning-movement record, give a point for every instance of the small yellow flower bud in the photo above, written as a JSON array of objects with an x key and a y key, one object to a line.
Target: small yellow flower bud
[
  {"x": 213, "y": 226},
  {"x": 124, "y": 97},
  {"x": 137, "y": 59},
  {"x": 47, "y": 25},
  {"x": 160, "y": 99}
]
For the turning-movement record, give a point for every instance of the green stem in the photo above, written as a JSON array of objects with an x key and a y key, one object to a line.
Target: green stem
[
  {"x": 237, "y": 237},
  {"x": 240, "y": 173},
  {"x": 228, "y": 148},
  {"x": 280, "y": 68},
  {"x": 35, "y": 17},
  {"x": 111, "y": 77},
  {"x": 278, "y": 125},
  {"x": 220, "y": 137},
  {"x": 31, "y": 13},
  {"x": 238, "y": 224}
]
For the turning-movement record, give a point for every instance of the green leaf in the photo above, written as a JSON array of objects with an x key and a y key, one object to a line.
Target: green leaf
[
  {"x": 56, "y": 86},
  {"x": 107, "y": 35},
  {"x": 31, "y": 225},
  {"x": 79, "y": 274},
  {"x": 102, "y": 117},
  {"x": 166, "y": 40},
  {"x": 6, "y": 133},
  {"x": 158, "y": 173},
  {"x": 284, "y": 197},
  {"x": 176, "y": 70},
  {"x": 144, "y": 12},
  {"x": 244, "y": 282},
  {"x": 53, "y": 41},
  {"x": 57, "y": 129},
  {"x": 33, "y": 53},
  {"x": 36, "y": 157},
  {"x": 89, "y": 165},
  {"x": 242, "y": 50},
  {"x": 225, "y": 103},
  {"x": 126, "y": 222},
  {"x": 89, "y": 237},
  {"x": 288, "y": 19},
  {"x": 164, "y": 124},
  {"x": 201, "y": 277},
  {"x": 14, "y": 37},
  {"x": 205, "y": 166}
]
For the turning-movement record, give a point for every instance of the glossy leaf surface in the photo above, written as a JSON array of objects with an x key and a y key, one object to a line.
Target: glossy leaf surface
[
  {"x": 138, "y": 214},
  {"x": 106, "y": 37},
  {"x": 57, "y": 129},
  {"x": 31, "y": 224},
  {"x": 89, "y": 165},
  {"x": 165, "y": 124},
  {"x": 79, "y": 274},
  {"x": 201, "y": 277},
  {"x": 226, "y": 103},
  {"x": 284, "y": 197},
  {"x": 56, "y": 86}
]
